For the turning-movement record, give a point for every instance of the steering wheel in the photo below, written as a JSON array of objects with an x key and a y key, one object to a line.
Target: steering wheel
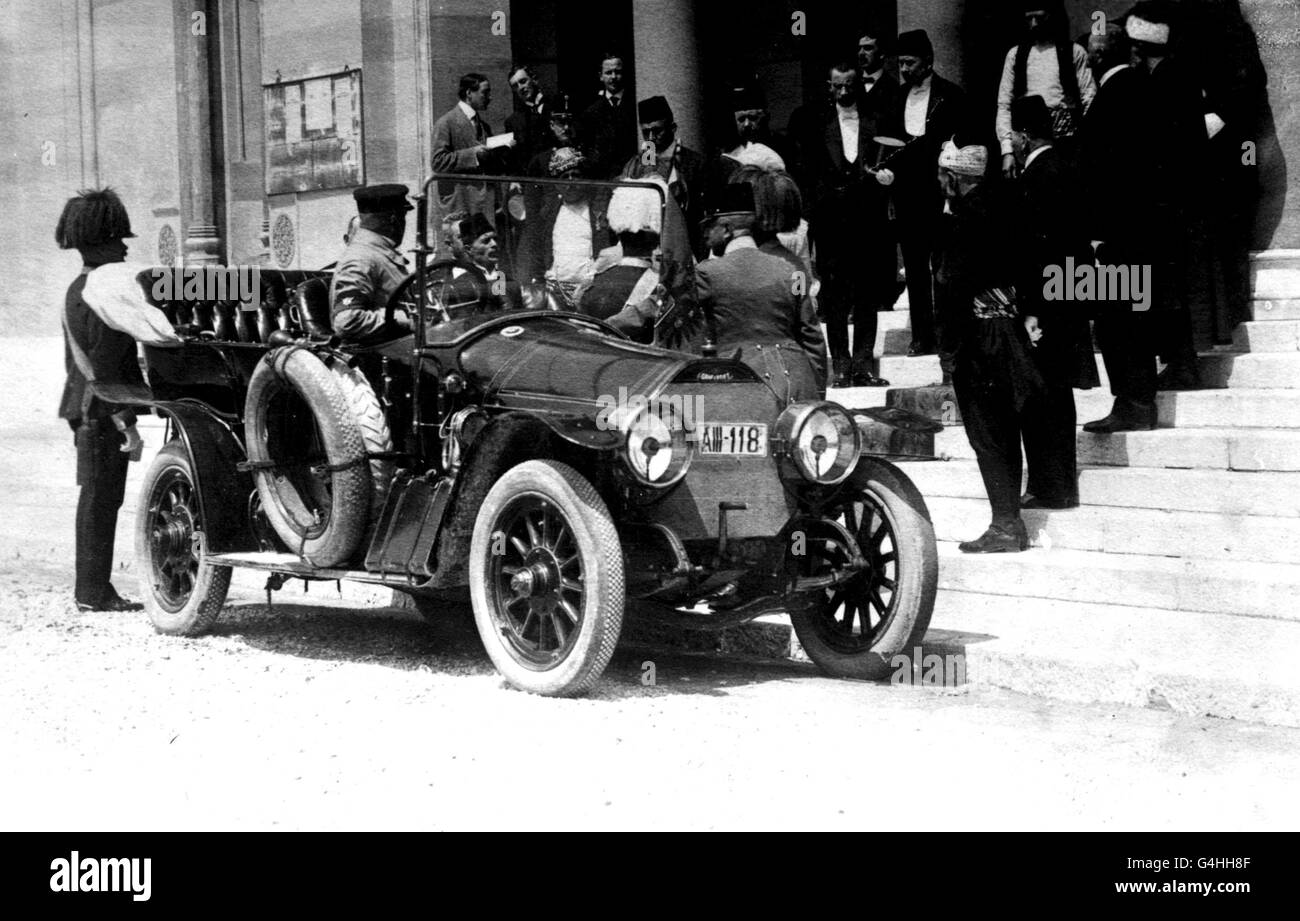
[{"x": 446, "y": 293}]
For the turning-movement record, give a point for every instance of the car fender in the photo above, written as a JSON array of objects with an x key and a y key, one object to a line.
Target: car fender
[
  {"x": 876, "y": 468},
  {"x": 223, "y": 489}
]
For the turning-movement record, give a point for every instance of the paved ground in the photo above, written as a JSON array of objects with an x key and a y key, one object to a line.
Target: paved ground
[{"x": 329, "y": 713}]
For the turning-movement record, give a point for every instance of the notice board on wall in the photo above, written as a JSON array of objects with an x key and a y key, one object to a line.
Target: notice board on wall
[{"x": 314, "y": 133}]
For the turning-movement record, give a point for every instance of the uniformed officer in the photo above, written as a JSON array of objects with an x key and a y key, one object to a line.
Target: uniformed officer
[
  {"x": 759, "y": 303},
  {"x": 371, "y": 268},
  {"x": 97, "y": 357}
]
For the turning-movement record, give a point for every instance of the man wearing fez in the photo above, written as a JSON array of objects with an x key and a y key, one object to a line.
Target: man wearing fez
[
  {"x": 371, "y": 268},
  {"x": 851, "y": 229},
  {"x": 664, "y": 155},
  {"x": 754, "y": 144},
  {"x": 97, "y": 358},
  {"x": 1177, "y": 169},
  {"x": 1051, "y": 208},
  {"x": 608, "y": 125},
  {"x": 1116, "y": 191},
  {"x": 475, "y": 246},
  {"x": 978, "y": 266},
  {"x": 929, "y": 110}
]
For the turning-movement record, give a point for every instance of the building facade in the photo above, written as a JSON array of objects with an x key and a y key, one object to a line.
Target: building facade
[{"x": 236, "y": 129}]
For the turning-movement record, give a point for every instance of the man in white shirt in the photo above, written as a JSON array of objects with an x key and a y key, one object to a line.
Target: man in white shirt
[
  {"x": 460, "y": 146},
  {"x": 1049, "y": 65},
  {"x": 930, "y": 111}
]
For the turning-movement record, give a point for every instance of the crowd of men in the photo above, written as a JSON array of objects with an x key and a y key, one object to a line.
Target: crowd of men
[{"x": 1099, "y": 156}]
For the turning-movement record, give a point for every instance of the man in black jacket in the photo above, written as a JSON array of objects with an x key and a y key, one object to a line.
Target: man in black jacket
[
  {"x": 608, "y": 126},
  {"x": 97, "y": 359},
  {"x": 1115, "y": 155},
  {"x": 1061, "y": 346},
  {"x": 928, "y": 113},
  {"x": 851, "y": 229}
]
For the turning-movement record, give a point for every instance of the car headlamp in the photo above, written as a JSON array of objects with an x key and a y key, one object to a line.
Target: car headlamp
[
  {"x": 822, "y": 442},
  {"x": 657, "y": 453}
]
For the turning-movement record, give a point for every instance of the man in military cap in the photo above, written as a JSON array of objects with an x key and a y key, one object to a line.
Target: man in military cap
[
  {"x": 757, "y": 305},
  {"x": 98, "y": 359},
  {"x": 371, "y": 268}
]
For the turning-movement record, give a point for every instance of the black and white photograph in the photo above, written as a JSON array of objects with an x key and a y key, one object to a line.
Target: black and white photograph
[{"x": 651, "y": 415}]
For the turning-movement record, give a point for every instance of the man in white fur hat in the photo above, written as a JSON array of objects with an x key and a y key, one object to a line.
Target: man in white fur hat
[{"x": 983, "y": 339}]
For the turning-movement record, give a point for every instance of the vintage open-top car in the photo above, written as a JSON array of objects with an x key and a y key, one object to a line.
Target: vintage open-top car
[{"x": 534, "y": 457}]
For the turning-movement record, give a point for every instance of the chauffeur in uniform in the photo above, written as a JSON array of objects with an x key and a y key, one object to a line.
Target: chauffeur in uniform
[
  {"x": 757, "y": 305},
  {"x": 371, "y": 268},
  {"x": 96, "y": 224}
]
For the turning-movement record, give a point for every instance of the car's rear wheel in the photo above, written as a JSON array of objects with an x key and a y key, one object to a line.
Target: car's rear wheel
[
  {"x": 183, "y": 592},
  {"x": 855, "y": 629},
  {"x": 546, "y": 579}
]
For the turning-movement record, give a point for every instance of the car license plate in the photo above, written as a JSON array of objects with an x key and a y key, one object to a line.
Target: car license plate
[{"x": 733, "y": 439}]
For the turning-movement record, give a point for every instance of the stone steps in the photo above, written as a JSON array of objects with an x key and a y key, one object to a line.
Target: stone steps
[
  {"x": 1231, "y": 589},
  {"x": 1266, "y": 370},
  {"x": 1268, "y": 336},
  {"x": 1179, "y": 449},
  {"x": 1107, "y": 652},
  {"x": 1237, "y": 408},
  {"x": 1220, "y": 492},
  {"x": 1114, "y": 530}
]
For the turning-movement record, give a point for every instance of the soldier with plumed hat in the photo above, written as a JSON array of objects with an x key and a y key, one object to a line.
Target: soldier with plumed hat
[
  {"x": 371, "y": 268},
  {"x": 98, "y": 361}
]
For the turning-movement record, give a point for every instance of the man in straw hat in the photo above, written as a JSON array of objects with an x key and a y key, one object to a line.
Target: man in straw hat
[{"x": 97, "y": 359}]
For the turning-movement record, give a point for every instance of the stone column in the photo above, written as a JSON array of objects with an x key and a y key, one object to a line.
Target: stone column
[
  {"x": 194, "y": 112},
  {"x": 668, "y": 62}
]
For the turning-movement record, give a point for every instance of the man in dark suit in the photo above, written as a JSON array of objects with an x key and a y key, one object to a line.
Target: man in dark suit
[
  {"x": 1061, "y": 347},
  {"x": 97, "y": 357},
  {"x": 530, "y": 122},
  {"x": 460, "y": 146},
  {"x": 930, "y": 109},
  {"x": 664, "y": 155},
  {"x": 851, "y": 230},
  {"x": 1178, "y": 167},
  {"x": 608, "y": 126},
  {"x": 1114, "y": 151}
]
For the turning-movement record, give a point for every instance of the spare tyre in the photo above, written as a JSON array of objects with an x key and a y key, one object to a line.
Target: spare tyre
[{"x": 313, "y": 427}]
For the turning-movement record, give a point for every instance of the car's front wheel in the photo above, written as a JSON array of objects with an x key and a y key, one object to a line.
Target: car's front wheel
[
  {"x": 183, "y": 592},
  {"x": 546, "y": 579},
  {"x": 855, "y": 629}
]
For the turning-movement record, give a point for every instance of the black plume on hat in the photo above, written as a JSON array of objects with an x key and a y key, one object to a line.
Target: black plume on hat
[
  {"x": 915, "y": 44},
  {"x": 94, "y": 216},
  {"x": 378, "y": 199}
]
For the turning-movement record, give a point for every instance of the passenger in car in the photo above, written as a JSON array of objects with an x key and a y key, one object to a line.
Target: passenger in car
[
  {"x": 476, "y": 246},
  {"x": 636, "y": 216},
  {"x": 563, "y": 242}
]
